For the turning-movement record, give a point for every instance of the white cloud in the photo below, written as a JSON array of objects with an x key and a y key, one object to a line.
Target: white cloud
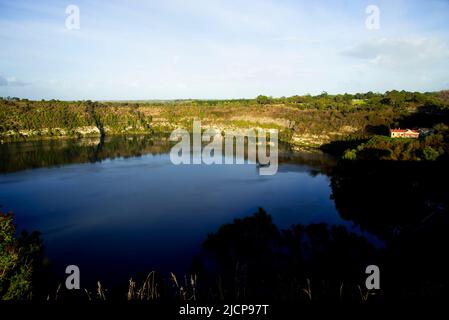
[
  {"x": 11, "y": 81},
  {"x": 220, "y": 48},
  {"x": 403, "y": 52}
]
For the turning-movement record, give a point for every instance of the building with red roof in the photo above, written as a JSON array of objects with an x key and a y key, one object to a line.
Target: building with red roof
[{"x": 404, "y": 133}]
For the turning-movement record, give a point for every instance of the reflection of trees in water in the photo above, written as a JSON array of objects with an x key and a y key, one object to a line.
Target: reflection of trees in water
[
  {"x": 36, "y": 154},
  {"x": 46, "y": 153},
  {"x": 252, "y": 258},
  {"x": 405, "y": 204},
  {"x": 387, "y": 197}
]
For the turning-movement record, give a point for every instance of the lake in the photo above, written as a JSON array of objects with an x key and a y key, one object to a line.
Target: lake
[{"x": 118, "y": 207}]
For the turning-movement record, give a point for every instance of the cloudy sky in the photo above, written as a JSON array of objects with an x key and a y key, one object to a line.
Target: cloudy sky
[{"x": 220, "y": 49}]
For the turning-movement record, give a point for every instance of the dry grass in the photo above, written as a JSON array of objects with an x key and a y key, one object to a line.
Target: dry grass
[
  {"x": 149, "y": 290},
  {"x": 308, "y": 290},
  {"x": 155, "y": 287}
]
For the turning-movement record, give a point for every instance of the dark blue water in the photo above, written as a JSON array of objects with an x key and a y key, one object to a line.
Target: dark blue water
[{"x": 117, "y": 217}]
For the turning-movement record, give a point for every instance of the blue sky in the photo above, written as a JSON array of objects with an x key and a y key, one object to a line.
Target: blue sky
[{"x": 220, "y": 49}]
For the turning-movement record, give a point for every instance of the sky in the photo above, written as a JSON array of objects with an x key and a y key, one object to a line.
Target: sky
[{"x": 215, "y": 49}]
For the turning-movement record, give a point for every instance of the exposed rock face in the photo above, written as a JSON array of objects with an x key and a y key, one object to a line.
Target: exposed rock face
[
  {"x": 301, "y": 128},
  {"x": 90, "y": 130},
  {"x": 60, "y": 132}
]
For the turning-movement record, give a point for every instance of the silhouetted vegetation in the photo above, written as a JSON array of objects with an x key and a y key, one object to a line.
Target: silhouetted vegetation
[
  {"x": 405, "y": 204},
  {"x": 253, "y": 259},
  {"x": 20, "y": 260}
]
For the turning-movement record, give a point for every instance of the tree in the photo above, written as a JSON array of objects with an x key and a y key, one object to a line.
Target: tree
[
  {"x": 430, "y": 153},
  {"x": 263, "y": 99},
  {"x": 297, "y": 99},
  {"x": 18, "y": 260},
  {"x": 350, "y": 155}
]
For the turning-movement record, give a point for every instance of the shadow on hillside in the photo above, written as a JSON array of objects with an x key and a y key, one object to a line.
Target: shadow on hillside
[{"x": 426, "y": 116}]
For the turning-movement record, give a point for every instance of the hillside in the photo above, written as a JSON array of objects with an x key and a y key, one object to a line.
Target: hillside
[{"x": 304, "y": 121}]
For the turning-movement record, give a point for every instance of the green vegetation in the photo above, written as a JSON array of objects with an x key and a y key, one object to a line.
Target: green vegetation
[
  {"x": 21, "y": 119},
  {"x": 263, "y": 99},
  {"x": 19, "y": 258},
  {"x": 432, "y": 147},
  {"x": 304, "y": 121}
]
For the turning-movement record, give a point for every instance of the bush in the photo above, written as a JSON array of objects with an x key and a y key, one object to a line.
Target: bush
[
  {"x": 350, "y": 155},
  {"x": 430, "y": 153},
  {"x": 263, "y": 99},
  {"x": 18, "y": 260}
]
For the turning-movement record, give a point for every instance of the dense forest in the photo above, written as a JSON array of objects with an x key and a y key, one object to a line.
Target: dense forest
[{"x": 304, "y": 121}]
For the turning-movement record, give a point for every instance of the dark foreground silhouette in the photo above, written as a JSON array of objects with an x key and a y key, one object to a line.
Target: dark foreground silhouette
[{"x": 403, "y": 204}]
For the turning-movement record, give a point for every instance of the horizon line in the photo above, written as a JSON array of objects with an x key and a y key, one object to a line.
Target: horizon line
[{"x": 220, "y": 99}]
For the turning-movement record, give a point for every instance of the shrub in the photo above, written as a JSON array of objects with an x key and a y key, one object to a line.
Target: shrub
[{"x": 18, "y": 260}]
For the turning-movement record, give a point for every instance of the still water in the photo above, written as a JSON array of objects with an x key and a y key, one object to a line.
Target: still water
[{"x": 119, "y": 207}]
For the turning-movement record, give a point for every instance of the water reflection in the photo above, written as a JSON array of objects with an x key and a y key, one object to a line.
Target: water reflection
[
  {"x": 252, "y": 258},
  {"x": 47, "y": 153},
  {"x": 406, "y": 205},
  {"x": 403, "y": 203},
  {"x": 118, "y": 208}
]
